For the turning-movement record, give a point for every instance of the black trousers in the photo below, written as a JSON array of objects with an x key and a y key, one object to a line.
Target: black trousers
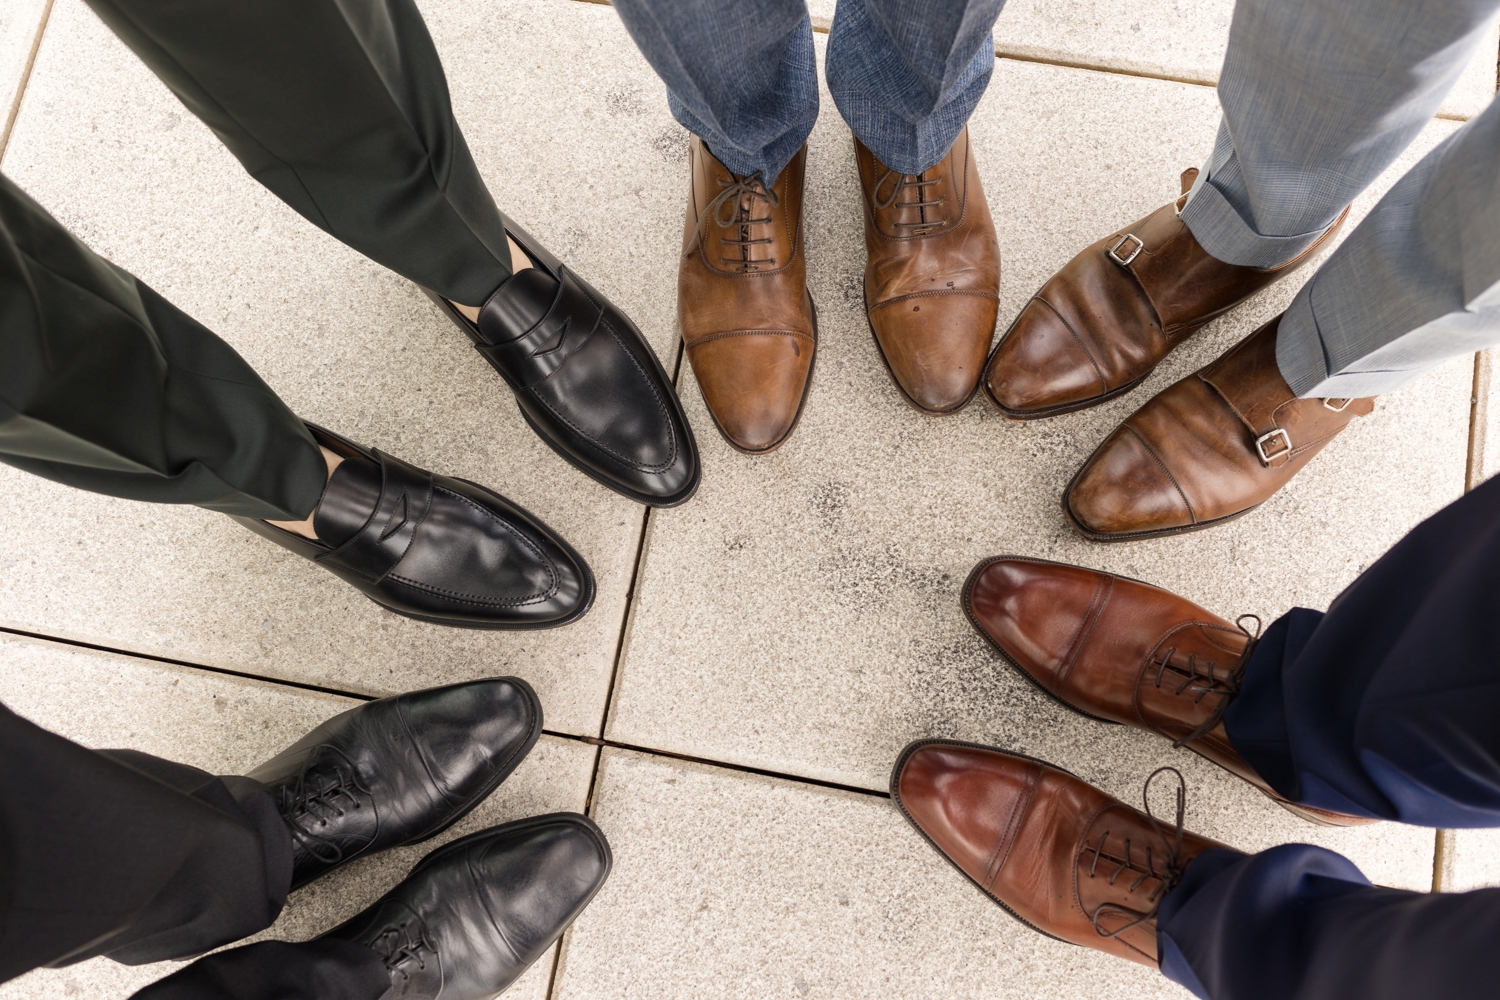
[
  {"x": 341, "y": 109},
  {"x": 139, "y": 859}
]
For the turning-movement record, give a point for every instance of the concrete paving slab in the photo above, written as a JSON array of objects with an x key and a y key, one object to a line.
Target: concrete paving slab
[
  {"x": 1474, "y": 861},
  {"x": 20, "y": 20},
  {"x": 117, "y": 159},
  {"x": 735, "y": 885},
  {"x": 227, "y": 725},
  {"x": 1166, "y": 38},
  {"x": 803, "y": 615}
]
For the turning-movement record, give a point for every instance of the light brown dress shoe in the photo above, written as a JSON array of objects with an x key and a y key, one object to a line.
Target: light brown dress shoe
[
  {"x": 1123, "y": 651},
  {"x": 746, "y": 317},
  {"x": 1054, "y": 852},
  {"x": 932, "y": 277},
  {"x": 1100, "y": 325},
  {"x": 1206, "y": 450}
]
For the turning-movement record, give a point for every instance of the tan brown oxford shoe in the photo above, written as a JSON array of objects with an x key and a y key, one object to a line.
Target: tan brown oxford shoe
[
  {"x": 747, "y": 320},
  {"x": 1123, "y": 651},
  {"x": 1054, "y": 852},
  {"x": 1100, "y": 325},
  {"x": 932, "y": 277},
  {"x": 1206, "y": 450}
]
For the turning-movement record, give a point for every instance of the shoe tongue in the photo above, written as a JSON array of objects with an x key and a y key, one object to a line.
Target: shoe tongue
[
  {"x": 518, "y": 305},
  {"x": 348, "y": 501}
]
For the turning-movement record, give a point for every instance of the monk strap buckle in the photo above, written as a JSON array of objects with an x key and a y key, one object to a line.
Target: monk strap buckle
[
  {"x": 1270, "y": 437},
  {"x": 1337, "y": 405},
  {"x": 1114, "y": 251}
]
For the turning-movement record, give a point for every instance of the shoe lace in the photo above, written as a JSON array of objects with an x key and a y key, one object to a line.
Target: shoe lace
[
  {"x": 322, "y": 790},
  {"x": 1171, "y": 867},
  {"x": 397, "y": 946},
  {"x": 1202, "y": 679},
  {"x": 737, "y": 195},
  {"x": 904, "y": 181}
]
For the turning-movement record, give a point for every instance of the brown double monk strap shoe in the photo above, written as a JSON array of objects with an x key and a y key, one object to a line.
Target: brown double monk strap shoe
[
  {"x": 747, "y": 320},
  {"x": 1206, "y": 450},
  {"x": 1122, "y": 651},
  {"x": 932, "y": 277},
  {"x": 1056, "y": 853},
  {"x": 1100, "y": 325}
]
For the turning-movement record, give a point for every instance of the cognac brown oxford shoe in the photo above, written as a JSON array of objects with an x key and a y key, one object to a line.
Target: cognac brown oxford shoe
[
  {"x": 1054, "y": 852},
  {"x": 1122, "y": 651},
  {"x": 747, "y": 320},
  {"x": 1206, "y": 450},
  {"x": 932, "y": 275},
  {"x": 1100, "y": 325}
]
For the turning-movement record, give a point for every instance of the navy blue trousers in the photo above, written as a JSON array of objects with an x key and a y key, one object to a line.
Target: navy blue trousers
[{"x": 1386, "y": 706}]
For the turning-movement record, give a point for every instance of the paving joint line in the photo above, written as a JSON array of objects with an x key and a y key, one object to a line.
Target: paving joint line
[{"x": 15, "y": 105}]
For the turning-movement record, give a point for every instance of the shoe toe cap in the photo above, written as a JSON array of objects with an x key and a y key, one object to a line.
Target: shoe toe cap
[
  {"x": 540, "y": 873},
  {"x": 1033, "y": 610},
  {"x": 1125, "y": 489},
  {"x": 935, "y": 346},
  {"x": 754, "y": 384},
  {"x": 1040, "y": 366},
  {"x": 470, "y": 731},
  {"x": 964, "y": 799}
]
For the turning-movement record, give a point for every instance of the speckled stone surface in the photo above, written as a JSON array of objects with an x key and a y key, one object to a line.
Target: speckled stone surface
[
  {"x": 733, "y": 885},
  {"x": 106, "y": 147},
  {"x": 20, "y": 20},
  {"x": 1173, "y": 38},
  {"x": 1475, "y": 861},
  {"x": 227, "y": 725}
]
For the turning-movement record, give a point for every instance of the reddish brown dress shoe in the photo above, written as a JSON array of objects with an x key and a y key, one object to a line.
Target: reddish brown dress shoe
[
  {"x": 932, "y": 277},
  {"x": 1122, "y": 651},
  {"x": 1100, "y": 325},
  {"x": 746, "y": 317},
  {"x": 1207, "y": 450},
  {"x": 1057, "y": 854}
]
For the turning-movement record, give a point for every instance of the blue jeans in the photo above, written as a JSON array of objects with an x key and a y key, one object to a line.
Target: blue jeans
[
  {"x": 1386, "y": 707},
  {"x": 741, "y": 74}
]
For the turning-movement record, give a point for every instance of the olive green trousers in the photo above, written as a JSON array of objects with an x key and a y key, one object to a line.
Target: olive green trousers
[{"x": 341, "y": 109}]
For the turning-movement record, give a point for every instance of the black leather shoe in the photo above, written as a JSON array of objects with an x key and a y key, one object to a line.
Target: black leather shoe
[
  {"x": 399, "y": 770},
  {"x": 474, "y": 914},
  {"x": 437, "y": 549},
  {"x": 586, "y": 380}
]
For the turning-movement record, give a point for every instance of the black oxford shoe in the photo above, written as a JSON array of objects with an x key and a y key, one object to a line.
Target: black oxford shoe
[
  {"x": 475, "y": 913},
  {"x": 399, "y": 770},
  {"x": 586, "y": 380},
  {"x": 436, "y": 549}
]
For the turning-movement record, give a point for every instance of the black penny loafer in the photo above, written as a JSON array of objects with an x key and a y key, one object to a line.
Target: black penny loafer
[
  {"x": 399, "y": 770},
  {"x": 436, "y": 549},
  {"x": 476, "y": 913},
  {"x": 586, "y": 380}
]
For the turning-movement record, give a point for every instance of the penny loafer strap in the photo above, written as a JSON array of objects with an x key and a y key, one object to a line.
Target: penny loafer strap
[
  {"x": 405, "y": 496},
  {"x": 569, "y": 323}
]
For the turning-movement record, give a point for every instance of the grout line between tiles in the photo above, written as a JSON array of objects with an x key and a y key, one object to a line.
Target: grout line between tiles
[
  {"x": 15, "y": 105},
  {"x": 710, "y": 762},
  {"x": 5, "y": 630}
]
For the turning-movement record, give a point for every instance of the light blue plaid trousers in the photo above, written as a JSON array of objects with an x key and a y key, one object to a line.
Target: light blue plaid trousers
[{"x": 1319, "y": 97}]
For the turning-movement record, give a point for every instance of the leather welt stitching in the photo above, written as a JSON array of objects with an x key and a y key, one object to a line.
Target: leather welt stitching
[
  {"x": 1163, "y": 466},
  {"x": 1012, "y": 827},
  {"x": 749, "y": 333}
]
